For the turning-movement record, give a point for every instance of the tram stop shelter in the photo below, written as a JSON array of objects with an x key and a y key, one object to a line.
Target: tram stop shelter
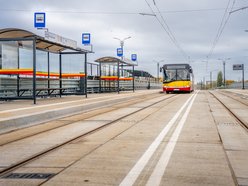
[
  {"x": 114, "y": 74},
  {"x": 33, "y": 66}
]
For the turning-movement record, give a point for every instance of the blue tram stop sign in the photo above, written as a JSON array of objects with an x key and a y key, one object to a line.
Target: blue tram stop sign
[
  {"x": 86, "y": 38},
  {"x": 119, "y": 52},
  {"x": 39, "y": 20},
  {"x": 134, "y": 57}
]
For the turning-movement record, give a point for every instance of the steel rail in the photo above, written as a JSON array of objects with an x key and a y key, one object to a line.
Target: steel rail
[
  {"x": 230, "y": 111},
  {"x": 226, "y": 94},
  {"x": 17, "y": 165},
  {"x": 131, "y": 101}
]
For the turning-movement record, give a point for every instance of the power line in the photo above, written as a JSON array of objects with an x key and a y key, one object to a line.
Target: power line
[
  {"x": 242, "y": 8},
  {"x": 170, "y": 32},
  {"x": 111, "y": 12},
  {"x": 223, "y": 23},
  {"x": 194, "y": 10},
  {"x": 166, "y": 28}
]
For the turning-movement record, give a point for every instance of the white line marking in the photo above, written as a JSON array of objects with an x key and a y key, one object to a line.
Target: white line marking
[
  {"x": 53, "y": 104},
  {"x": 141, "y": 163},
  {"x": 61, "y": 103},
  {"x": 40, "y": 106},
  {"x": 160, "y": 168}
]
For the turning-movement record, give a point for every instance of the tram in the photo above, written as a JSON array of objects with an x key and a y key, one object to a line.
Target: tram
[{"x": 177, "y": 78}]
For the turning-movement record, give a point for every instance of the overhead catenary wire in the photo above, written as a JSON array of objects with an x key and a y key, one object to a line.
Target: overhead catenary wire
[
  {"x": 221, "y": 28},
  {"x": 171, "y": 33},
  {"x": 109, "y": 12},
  {"x": 166, "y": 28}
]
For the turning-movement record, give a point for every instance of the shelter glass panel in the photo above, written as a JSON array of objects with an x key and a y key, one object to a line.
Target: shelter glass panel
[
  {"x": 9, "y": 55},
  {"x": 16, "y": 68},
  {"x": 41, "y": 61},
  {"x": 73, "y": 72},
  {"x": 73, "y": 63},
  {"x": 92, "y": 69},
  {"x": 26, "y": 55},
  {"x": 54, "y": 63},
  {"x": 109, "y": 69}
]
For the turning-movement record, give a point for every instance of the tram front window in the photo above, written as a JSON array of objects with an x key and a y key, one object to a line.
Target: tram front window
[{"x": 176, "y": 75}]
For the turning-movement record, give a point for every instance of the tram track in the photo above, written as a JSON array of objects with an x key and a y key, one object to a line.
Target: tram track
[
  {"x": 23, "y": 162},
  {"x": 236, "y": 99},
  {"x": 242, "y": 123},
  {"x": 41, "y": 128}
]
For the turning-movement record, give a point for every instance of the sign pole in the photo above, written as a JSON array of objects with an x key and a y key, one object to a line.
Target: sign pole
[
  {"x": 243, "y": 76},
  {"x": 240, "y": 67}
]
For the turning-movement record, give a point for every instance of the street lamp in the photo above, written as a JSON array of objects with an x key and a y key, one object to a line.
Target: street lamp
[
  {"x": 211, "y": 82},
  {"x": 158, "y": 67},
  {"x": 122, "y": 43},
  {"x": 224, "y": 69}
]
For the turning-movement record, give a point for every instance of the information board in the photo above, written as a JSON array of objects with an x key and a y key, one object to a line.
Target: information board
[{"x": 238, "y": 67}]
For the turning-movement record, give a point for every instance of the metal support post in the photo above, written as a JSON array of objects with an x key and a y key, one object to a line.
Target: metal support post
[
  {"x": 224, "y": 73},
  {"x": 34, "y": 70},
  {"x": 118, "y": 74},
  {"x": 158, "y": 71},
  {"x": 60, "y": 74},
  {"x": 48, "y": 72},
  {"x": 18, "y": 76},
  {"x": 100, "y": 74},
  {"x": 133, "y": 78},
  {"x": 211, "y": 83},
  {"x": 243, "y": 76},
  {"x": 85, "y": 78},
  {"x": 91, "y": 69}
]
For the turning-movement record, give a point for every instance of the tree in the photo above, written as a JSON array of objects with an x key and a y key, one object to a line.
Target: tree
[{"x": 219, "y": 79}]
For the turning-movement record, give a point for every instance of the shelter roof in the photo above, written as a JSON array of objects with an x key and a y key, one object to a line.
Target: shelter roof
[
  {"x": 109, "y": 59},
  {"x": 41, "y": 42}
]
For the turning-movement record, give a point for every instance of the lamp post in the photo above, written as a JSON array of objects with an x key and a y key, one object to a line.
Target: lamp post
[
  {"x": 224, "y": 69},
  {"x": 158, "y": 67},
  {"x": 211, "y": 82},
  {"x": 122, "y": 43}
]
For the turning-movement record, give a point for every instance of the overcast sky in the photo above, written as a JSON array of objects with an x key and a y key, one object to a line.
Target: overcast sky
[{"x": 193, "y": 23}]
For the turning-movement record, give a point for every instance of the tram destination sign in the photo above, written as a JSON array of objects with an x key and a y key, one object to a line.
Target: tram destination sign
[{"x": 237, "y": 67}]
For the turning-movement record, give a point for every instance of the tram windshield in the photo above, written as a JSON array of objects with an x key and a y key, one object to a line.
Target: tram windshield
[{"x": 176, "y": 75}]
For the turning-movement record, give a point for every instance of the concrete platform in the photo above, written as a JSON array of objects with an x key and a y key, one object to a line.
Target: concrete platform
[
  {"x": 202, "y": 145},
  {"x": 20, "y": 114}
]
